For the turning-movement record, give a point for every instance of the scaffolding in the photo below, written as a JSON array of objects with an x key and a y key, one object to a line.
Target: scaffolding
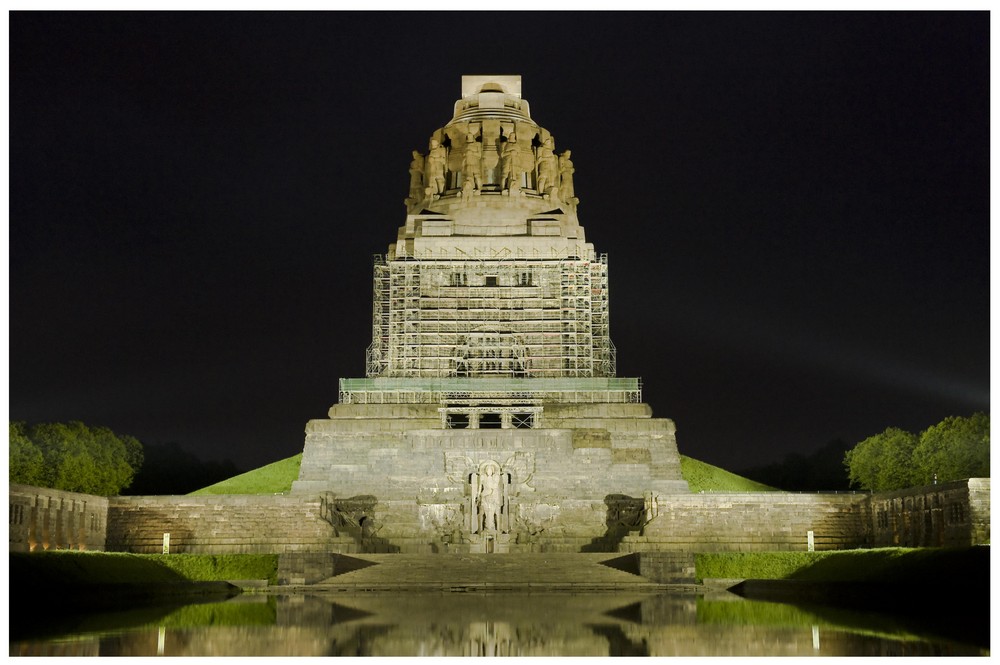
[
  {"x": 493, "y": 391},
  {"x": 482, "y": 318}
]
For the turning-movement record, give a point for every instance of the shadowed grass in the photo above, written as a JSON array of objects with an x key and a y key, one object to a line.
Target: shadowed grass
[
  {"x": 891, "y": 565},
  {"x": 75, "y": 568},
  {"x": 87, "y": 568}
]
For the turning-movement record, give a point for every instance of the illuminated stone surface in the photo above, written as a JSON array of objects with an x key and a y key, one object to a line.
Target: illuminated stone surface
[{"x": 491, "y": 350}]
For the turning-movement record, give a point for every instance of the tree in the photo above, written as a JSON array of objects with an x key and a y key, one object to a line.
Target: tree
[
  {"x": 883, "y": 462},
  {"x": 26, "y": 462},
  {"x": 954, "y": 448},
  {"x": 820, "y": 470},
  {"x": 75, "y": 457}
]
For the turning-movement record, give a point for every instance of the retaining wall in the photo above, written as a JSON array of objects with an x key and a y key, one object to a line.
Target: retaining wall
[
  {"x": 949, "y": 514},
  {"x": 47, "y": 519},
  {"x": 758, "y": 521},
  {"x": 221, "y": 524}
]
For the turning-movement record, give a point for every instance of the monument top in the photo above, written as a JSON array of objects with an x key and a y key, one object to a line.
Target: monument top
[{"x": 506, "y": 83}]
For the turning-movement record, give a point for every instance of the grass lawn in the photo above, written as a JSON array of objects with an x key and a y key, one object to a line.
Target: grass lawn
[
  {"x": 890, "y": 565},
  {"x": 81, "y": 568},
  {"x": 274, "y": 478},
  {"x": 702, "y": 477}
]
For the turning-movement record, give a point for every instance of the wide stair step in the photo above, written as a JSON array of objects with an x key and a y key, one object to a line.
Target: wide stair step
[{"x": 452, "y": 571}]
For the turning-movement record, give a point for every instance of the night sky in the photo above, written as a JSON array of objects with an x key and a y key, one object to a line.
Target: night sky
[{"x": 795, "y": 209}]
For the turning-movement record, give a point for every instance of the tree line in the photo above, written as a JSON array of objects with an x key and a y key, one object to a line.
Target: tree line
[
  {"x": 94, "y": 460},
  {"x": 953, "y": 449},
  {"x": 73, "y": 457}
]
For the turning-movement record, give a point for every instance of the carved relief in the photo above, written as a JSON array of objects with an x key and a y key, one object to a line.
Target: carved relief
[
  {"x": 472, "y": 163},
  {"x": 566, "y": 170},
  {"x": 547, "y": 165},
  {"x": 435, "y": 162},
  {"x": 510, "y": 177},
  {"x": 416, "y": 179},
  {"x": 490, "y": 500}
]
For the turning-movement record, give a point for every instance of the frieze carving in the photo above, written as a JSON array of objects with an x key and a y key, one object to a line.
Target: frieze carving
[{"x": 520, "y": 464}]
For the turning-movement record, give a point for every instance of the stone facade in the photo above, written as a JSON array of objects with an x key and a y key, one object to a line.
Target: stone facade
[
  {"x": 45, "y": 519},
  {"x": 221, "y": 524},
  {"x": 491, "y": 419},
  {"x": 760, "y": 521},
  {"x": 756, "y": 521},
  {"x": 946, "y": 515}
]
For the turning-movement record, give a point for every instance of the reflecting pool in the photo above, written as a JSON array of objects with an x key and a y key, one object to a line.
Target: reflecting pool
[{"x": 479, "y": 624}]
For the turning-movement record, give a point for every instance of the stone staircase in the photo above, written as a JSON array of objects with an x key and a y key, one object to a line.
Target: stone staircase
[{"x": 475, "y": 572}]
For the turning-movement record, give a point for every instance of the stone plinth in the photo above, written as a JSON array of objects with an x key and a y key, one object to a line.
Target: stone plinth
[{"x": 574, "y": 481}]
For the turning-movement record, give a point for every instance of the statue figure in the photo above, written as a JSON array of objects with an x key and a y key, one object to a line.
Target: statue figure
[
  {"x": 436, "y": 161},
  {"x": 566, "y": 170},
  {"x": 509, "y": 176},
  {"x": 416, "y": 177},
  {"x": 490, "y": 498},
  {"x": 472, "y": 163},
  {"x": 547, "y": 166}
]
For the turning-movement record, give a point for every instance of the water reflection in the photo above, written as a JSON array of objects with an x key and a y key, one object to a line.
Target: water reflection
[{"x": 472, "y": 624}]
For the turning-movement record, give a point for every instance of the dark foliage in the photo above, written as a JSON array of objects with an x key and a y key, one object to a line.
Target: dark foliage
[
  {"x": 823, "y": 470},
  {"x": 169, "y": 469}
]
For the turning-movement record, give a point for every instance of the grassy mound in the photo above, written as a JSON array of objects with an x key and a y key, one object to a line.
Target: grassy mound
[
  {"x": 274, "y": 478},
  {"x": 702, "y": 477},
  {"x": 70, "y": 568},
  {"x": 278, "y": 477},
  {"x": 889, "y": 565}
]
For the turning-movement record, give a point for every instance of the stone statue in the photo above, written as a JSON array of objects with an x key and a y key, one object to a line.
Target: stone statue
[
  {"x": 435, "y": 163},
  {"x": 472, "y": 163},
  {"x": 508, "y": 167},
  {"x": 490, "y": 498},
  {"x": 566, "y": 170},
  {"x": 548, "y": 168},
  {"x": 416, "y": 178}
]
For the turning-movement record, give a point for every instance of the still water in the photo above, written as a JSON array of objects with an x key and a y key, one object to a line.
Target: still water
[{"x": 475, "y": 624}]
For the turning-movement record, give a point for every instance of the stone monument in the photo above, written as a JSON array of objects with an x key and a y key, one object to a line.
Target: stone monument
[{"x": 490, "y": 418}]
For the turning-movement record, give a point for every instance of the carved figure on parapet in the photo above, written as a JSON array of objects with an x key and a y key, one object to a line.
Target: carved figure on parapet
[
  {"x": 508, "y": 165},
  {"x": 416, "y": 179},
  {"x": 547, "y": 165},
  {"x": 566, "y": 170},
  {"x": 435, "y": 163},
  {"x": 472, "y": 162}
]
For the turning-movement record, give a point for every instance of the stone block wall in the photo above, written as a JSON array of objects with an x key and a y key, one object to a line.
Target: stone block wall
[
  {"x": 756, "y": 521},
  {"x": 951, "y": 514},
  {"x": 221, "y": 524},
  {"x": 47, "y": 519}
]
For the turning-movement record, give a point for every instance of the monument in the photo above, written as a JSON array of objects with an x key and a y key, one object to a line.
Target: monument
[{"x": 491, "y": 418}]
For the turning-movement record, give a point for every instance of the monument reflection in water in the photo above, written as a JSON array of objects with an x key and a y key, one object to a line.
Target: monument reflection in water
[{"x": 478, "y": 624}]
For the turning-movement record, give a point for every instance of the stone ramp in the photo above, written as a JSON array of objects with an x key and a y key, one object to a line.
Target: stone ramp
[{"x": 496, "y": 572}]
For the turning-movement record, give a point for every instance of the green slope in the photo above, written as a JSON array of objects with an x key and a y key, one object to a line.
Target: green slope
[
  {"x": 274, "y": 478},
  {"x": 277, "y": 478},
  {"x": 702, "y": 477}
]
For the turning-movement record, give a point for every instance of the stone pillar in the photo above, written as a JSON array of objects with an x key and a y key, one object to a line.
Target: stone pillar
[
  {"x": 474, "y": 420},
  {"x": 507, "y": 420}
]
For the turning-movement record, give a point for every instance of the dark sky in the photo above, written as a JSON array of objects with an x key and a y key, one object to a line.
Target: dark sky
[{"x": 795, "y": 208}]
